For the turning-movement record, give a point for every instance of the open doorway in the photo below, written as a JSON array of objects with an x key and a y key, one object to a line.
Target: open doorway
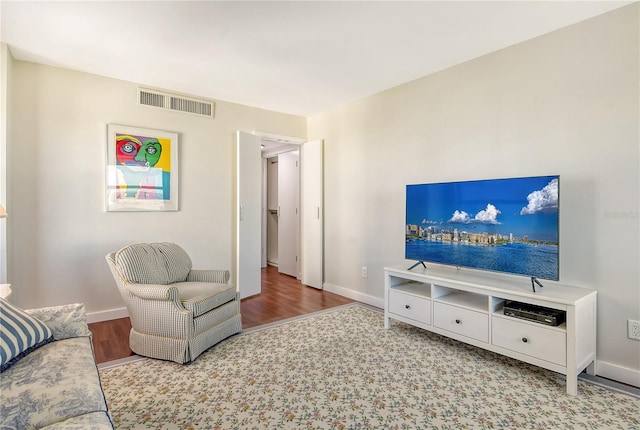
[
  {"x": 249, "y": 210},
  {"x": 281, "y": 207}
]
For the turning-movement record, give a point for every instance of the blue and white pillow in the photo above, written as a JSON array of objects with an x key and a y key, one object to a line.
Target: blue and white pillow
[{"x": 20, "y": 334}]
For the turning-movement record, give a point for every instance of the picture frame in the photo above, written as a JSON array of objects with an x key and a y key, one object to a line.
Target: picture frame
[{"x": 141, "y": 169}]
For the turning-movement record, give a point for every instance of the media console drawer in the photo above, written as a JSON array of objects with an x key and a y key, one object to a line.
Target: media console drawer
[
  {"x": 530, "y": 339},
  {"x": 410, "y": 306},
  {"x": 462, "y": 321}
]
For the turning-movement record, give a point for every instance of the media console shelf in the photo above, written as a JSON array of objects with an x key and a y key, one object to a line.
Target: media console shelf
[{"x": 468, "y": 306}]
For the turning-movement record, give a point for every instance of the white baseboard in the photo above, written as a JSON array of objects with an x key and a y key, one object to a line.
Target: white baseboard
[
  {"x": 618, "y": 373},
  {"x": 354, "y": 295},
  {"x": 113, "y": 314}
]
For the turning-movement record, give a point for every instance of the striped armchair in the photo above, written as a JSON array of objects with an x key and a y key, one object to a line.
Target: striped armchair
[{"x": 176, "y": 312}]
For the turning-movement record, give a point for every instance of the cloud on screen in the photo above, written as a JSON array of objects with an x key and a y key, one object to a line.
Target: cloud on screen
[
  {"x": 544, "y": 200},
  {"x": 489, "y": 215}
]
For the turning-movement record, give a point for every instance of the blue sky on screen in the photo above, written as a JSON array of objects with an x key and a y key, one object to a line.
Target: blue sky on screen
[{"x": 518, "y": 206}]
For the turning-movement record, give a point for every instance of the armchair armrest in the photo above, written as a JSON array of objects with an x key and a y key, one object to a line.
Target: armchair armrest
[
  {"x": 218, "y": 276},
  {"x": 154, "y": 292},
  {"x": 65, "y": 321},
  {"x": 165, "y": 317}
]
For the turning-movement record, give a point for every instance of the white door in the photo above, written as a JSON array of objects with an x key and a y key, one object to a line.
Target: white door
[
  {"x": 312, "y": 213},
  {"x": 248, "y": 214},
  {"x": 288, "y": 212}
]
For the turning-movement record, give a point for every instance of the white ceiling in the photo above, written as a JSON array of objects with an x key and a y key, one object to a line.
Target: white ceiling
[{"x": 297, "y": 57}]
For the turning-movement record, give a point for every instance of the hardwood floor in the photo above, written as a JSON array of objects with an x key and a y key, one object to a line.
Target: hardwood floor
[{"x": 282, "y": 297}]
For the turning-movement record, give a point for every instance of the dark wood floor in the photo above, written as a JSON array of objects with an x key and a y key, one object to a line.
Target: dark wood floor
[{"x": 282, "y": 297}]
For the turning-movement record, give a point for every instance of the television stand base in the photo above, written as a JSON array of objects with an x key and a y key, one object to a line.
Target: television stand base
[
  {"x": 535, "y": 281},
  {"x": 423, "y": 265}
]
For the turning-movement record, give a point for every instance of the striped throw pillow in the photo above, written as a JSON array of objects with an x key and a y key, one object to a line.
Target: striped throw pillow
[{"x": 20, "y": 334}]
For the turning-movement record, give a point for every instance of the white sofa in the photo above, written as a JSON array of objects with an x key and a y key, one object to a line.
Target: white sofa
[{"x": 57, "y": 385}]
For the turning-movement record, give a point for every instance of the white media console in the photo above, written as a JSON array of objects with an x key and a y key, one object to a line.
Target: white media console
[{"x": 468, "y": 305}]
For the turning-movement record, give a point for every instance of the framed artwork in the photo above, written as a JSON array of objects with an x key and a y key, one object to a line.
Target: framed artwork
[{"x": 142, "y": 169}]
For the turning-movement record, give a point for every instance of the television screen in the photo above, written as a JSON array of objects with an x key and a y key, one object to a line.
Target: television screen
[{"x": 503, "y": 225}]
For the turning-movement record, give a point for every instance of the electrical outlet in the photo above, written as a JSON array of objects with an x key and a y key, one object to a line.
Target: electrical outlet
[
  {"x": 364, "y": 272},
  {"x": 633, "y": 329}
]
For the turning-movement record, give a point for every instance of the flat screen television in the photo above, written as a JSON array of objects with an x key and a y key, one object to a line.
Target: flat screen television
[{"x": 502, "y": 225}]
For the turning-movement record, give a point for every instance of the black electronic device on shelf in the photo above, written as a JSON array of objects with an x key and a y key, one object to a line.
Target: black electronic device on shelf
[{"x": 539, "y": 314}]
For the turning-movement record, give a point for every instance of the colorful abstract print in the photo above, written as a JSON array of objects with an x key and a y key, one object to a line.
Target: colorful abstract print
[{"x": 143, "y": 167}]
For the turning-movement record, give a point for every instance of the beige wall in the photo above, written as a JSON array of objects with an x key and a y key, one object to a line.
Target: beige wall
[
  {"x": 59, "y": 230},
  {"x": 566, "y": 103}
]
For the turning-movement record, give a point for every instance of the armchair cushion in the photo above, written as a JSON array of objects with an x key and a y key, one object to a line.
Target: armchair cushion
[
  {"x": 20, "y": 334},
  {"x": 153, "y": 263},
  {"x": 201, "y": 297}
]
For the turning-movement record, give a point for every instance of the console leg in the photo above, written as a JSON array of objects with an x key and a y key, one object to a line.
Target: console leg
[
  {"x": 572, "y": 385},
  {"x": 387, "y": 322}
]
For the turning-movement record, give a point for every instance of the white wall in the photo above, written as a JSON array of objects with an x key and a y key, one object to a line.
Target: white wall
[
  {"x": 566, "y": 103},
  {"x": 59, "y": 231}
]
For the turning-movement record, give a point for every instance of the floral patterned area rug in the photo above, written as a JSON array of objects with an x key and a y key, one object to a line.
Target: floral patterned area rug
[{"x": 342, "y": 370}]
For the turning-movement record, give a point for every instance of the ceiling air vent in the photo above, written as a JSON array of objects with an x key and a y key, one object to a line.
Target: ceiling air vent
[{"x": 175, "y": 102}]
